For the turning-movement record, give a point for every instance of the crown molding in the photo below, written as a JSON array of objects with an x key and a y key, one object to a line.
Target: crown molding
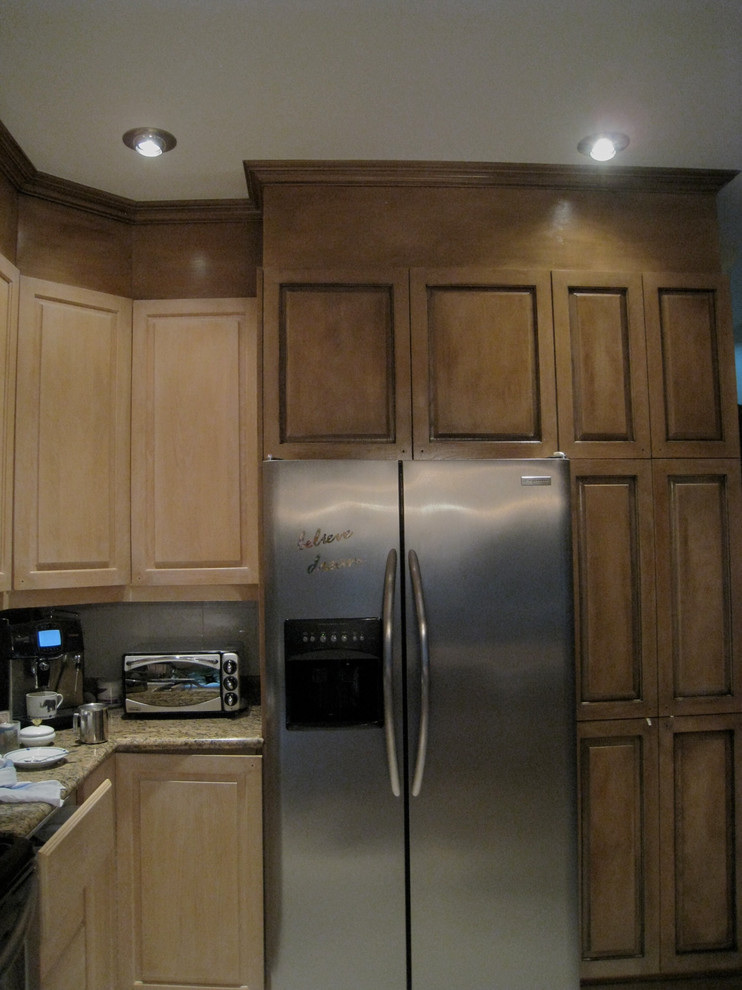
[
  {"x": 479, "y": 174},
  {"x": 28, "y": 181}
]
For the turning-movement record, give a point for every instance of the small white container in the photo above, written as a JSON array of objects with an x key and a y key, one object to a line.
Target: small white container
[{"x": 37, "y": 735}]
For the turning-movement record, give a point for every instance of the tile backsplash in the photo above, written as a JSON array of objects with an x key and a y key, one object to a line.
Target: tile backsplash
[{"x": 110, "y": 630}]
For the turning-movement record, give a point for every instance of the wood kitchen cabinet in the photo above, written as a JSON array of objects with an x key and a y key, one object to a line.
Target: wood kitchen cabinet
[
  {"x": 194, "y": 456},
  {"x": 690, "y": 356},
  {"x": 482, "y": 363},
  {"x": 9, "y": 290},
  {"x": 619, "y": 848},
  {"x": 601, "y": 364},
  {"x": 190, "y": 869},
  {"x": 336, "y": 363},
  {"x": 382, "y": 363},
  {"x": 698, "y": 527},
  {"x": 72, "y": 438},
  {"x": 77, "y": 898},
  {"x": 614, "y": 573},
  {"x": 660, "y": 889}
]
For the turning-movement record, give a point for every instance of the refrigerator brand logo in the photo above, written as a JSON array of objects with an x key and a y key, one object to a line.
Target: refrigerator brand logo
[{"x": 320, "y": 539}]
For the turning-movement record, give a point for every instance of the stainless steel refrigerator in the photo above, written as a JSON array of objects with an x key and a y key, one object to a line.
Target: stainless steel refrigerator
[{"x": 419, "y": 753}]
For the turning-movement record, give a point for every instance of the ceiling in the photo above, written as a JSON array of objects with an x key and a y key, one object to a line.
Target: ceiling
[{"x": 429, "y": 80}]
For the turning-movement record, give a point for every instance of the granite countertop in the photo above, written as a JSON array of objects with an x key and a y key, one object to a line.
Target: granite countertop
[{"x": 241, "y": 734}]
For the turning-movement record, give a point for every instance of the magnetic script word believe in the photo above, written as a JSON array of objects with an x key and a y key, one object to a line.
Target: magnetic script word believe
[{"x": 321, "y": 539}]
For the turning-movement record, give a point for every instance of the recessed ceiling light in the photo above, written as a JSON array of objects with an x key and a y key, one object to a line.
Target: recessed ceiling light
[
  {"x": 149, "y": 141},
  {"x": 603, "y": 147}
]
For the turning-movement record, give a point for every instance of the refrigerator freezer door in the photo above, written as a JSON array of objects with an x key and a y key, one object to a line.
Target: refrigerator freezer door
[
  {"x": 335, "y": 851},
  {"x": 492, "y": 830}
]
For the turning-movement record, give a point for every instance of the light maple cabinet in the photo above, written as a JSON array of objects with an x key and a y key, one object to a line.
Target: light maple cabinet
[
  {"x": 77, "y": 898},
  {"x": 194, "y": 457},
  {"x": 71, "y": 524},
  {"x": 190, "y": 868},
  {"x": 9, "y": 289},
  {"x": 396, "y": 363}
]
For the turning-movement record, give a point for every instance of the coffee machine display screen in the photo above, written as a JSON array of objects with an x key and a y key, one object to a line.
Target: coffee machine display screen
[{"x": 49, "y": 639}]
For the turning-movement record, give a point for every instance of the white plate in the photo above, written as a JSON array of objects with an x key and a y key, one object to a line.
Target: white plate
[{"x": 37, "y": 756}]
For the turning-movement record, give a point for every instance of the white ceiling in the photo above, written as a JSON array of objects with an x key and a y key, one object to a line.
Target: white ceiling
[{"x": 440, "y": 80}]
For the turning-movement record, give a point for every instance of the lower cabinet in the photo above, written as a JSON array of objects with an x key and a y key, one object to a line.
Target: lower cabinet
[
  {"x": 659, "y": 839},
  {"x": 190, "y": 871},
  {"x": 77, "y": 898}
]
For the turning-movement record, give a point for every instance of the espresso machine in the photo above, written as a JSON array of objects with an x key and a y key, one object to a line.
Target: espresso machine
[{"x": 41, "y": 648}]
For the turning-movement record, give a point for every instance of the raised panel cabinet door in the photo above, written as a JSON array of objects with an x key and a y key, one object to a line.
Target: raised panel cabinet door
[
  {"x": 72, "y": 471},
  {"x": 700, "y": 843},
  {"x": 613, "y": 554},
  {"x": 9, "y": 288},
  {"x": 698, "y": 528},
  {"x": 194, "y": 458},
  {"x": 601, "y": 364},
  {"x": 77, "y": 898},
  {"x": 690, "y": 355},
  {"x": 190, "y": 880},
  {"x": 336, "y": 363},
  {"x": 482, "y": 363},
  {"x": 618, "y": 848}
]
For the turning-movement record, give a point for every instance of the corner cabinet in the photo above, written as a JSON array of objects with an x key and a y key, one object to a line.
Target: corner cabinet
[
  {"x": 72, "y": 438},
  {"x": 194, "y": 456},
  {"x": 190, "y": 869},
  {"x": 400, "y": 363}
]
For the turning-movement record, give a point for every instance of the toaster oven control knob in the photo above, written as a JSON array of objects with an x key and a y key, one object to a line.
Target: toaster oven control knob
[
  {"x": 230, "y": 700},
  {"x": 230, "y": 683},
  {"x": 229, "y": 665}
]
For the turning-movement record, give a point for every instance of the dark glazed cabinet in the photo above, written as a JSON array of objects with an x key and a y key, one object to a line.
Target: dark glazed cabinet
[
  {"x": 338, "y": 381},
  {"x": 601, "y": 364},
  {"x": 336, "y": 366},
  {"x": 482, "y": 364},
  {"x": 690, "y": 355}
]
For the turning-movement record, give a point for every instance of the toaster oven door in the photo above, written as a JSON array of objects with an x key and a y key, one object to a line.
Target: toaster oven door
[{"x": 172, "y": 684}]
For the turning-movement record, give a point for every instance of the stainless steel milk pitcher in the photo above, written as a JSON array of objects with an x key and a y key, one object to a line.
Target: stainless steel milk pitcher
[{"x": 91, "y": 722}]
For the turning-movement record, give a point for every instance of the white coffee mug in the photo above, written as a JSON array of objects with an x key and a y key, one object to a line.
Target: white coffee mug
[{"x": 43, "y": 704}]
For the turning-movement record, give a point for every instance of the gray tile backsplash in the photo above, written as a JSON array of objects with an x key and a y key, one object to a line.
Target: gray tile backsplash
[{"x": 110, "y": 630}]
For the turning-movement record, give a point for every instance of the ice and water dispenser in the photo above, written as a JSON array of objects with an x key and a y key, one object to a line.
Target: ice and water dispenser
[{"x": 334, "y": 673}]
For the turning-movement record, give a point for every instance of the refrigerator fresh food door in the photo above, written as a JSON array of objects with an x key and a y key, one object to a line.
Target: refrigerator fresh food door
[
  {"x": 492, "y": 823},
  {"x": 334, "y": 830}
]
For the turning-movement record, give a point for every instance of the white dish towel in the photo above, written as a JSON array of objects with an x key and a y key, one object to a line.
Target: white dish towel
[{"x": 13, "y": 791}]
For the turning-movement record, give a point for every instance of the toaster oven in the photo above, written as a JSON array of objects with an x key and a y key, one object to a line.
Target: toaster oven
[{"x": 183, "y": 684}]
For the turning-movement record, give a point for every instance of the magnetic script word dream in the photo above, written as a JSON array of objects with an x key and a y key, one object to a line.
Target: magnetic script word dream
[{"x": 321, "y": 539}]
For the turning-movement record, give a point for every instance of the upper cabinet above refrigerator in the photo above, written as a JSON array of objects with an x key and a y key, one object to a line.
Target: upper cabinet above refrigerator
[{"x": 400, "y": 364}]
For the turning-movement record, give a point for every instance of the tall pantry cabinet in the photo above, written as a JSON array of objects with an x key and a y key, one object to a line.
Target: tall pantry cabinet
[{"x": 599, "y": 326}]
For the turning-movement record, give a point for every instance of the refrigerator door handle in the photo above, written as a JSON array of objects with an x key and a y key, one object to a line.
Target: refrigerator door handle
[
  {"x": 422, "y": 625},
  {"x": 387, "y": 619}
]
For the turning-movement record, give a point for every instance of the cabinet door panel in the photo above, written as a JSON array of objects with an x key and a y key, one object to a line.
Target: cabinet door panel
[
  {"x": 194, "y": 442},
  {"x": 619, "y": 848},
  {"x": 72, "y": 438},
  {"x": 700, "y": 844},
  {"x": 691, "y": 366},
  {"x": 9, "y": 285},
  {"x": 77, "y": 899},
  {"x": 615, "y": 631},
  {"x": 601, "y": 364},
  {"x": 698, "y": 516},
  {"x": 204, "y": 875},
  {"x": 483, "y": 364},
  {"x": 336, "y": 364}
]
